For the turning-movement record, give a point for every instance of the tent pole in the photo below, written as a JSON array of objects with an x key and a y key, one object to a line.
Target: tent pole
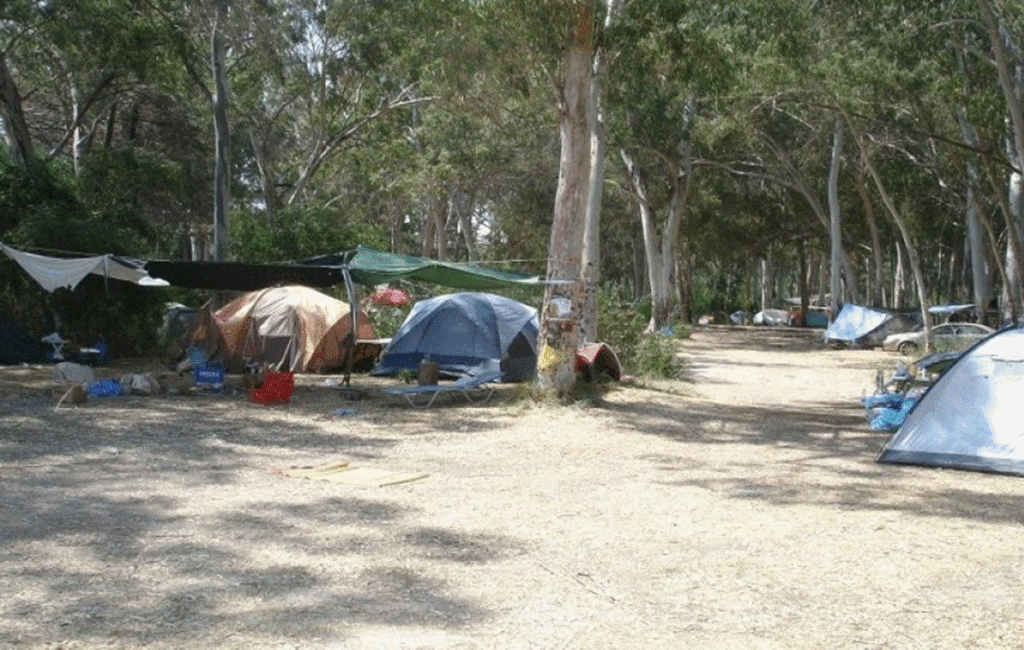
[{"x": 353, "y": 312}]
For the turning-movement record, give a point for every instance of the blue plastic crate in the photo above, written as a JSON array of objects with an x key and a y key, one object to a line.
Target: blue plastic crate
[{"x": 210, "y": 374}]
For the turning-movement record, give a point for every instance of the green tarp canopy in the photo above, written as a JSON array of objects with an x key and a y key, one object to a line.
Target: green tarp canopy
[
  {"x": 364, "y": 265},
  {"x": 370, "y": 267}
]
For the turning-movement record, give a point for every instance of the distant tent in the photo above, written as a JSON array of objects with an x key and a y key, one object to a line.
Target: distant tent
[
  {"x": 16, "y": 346},
  {"x": 865, "y": 326},
  {"x": 288, "y": 328},
  {"x": 854, "y": 322},
  {"x": 463, "y": 331},
  {"x": 972, "y": 417}
]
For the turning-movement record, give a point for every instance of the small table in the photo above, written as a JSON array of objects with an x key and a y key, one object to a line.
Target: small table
[{"x": 58, "y": 345}]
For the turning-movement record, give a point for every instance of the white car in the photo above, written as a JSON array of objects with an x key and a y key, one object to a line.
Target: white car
[{"x": 948, "y": 336}]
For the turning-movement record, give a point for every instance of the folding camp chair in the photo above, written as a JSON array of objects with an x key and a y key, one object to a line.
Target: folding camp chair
[{"x": 478, "y": 383}]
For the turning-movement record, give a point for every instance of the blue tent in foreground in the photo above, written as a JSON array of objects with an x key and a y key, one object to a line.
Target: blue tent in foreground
[{"x": 464, "y": 331}]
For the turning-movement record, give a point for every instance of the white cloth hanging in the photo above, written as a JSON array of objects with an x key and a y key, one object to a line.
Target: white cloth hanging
[{"x": 54, "y": 272}]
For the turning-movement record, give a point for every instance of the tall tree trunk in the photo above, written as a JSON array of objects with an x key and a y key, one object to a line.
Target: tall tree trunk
[
  {"x": 899, "y": 280},
  {"x": 221, "y": 173},
  {"x": 981, "y": 272},
  {"x": 559, "y": 334},
  {"x": 1012, "y": 85},
  {"x": 268, "y": 179},
  {"x": 797, "y": 181},
  {"x": 591, "y": 256},
  {"x": 659, "y": 260},
  {"x": 805, "y": 290},
  {"x": 835, "y": 220},
  {"x": 19, "y": 142},
  {"x": 878, "y": 277},
  {"x": 912, "y": 256},
  {"x": 465, "y": 216},
  {"x": 822, "y": 279},
  {"x": 1014, "y": 290}
]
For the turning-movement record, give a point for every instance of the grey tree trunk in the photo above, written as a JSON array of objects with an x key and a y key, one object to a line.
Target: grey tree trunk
[
  {"x": 912, "y": 256},
  {"x": 1011, "y": 81},
  {"x": 559, "y": 334},
  {"x": 835, "y": 220},
  {"x": 878, "y": 277},
  {"x": 591, "y": 256},
  {"x": 19, "y": 142},
  {"x": 221, "y": 171}
]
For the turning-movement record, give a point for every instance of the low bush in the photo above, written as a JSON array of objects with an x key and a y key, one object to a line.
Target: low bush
[{"x": 622, "y": 324}]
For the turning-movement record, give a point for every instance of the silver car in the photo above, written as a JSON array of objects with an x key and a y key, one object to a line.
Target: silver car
[{"x": 948, "y": 336}]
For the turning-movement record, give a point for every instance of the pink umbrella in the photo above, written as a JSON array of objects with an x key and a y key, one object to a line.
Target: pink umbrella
[{"x": 390, "y": 298}]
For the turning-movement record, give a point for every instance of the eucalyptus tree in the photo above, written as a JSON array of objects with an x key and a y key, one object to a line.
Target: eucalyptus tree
[
  {"x": 74, "y": 59},
  {"x": 561, "y": 37},
  {"x": 1004, "y": 26},
  {"x": 671, "y": 61},
  {"x": 559, "y": 335}
]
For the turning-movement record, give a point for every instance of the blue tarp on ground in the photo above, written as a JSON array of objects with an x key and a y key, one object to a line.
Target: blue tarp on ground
[
  {"x": 854, "y": 322},
  {"x": 461, "y": 332}
]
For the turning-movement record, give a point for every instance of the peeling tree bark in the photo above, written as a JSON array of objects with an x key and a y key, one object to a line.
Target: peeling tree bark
[
  {"x": 559, "y": 334},
  {"x": 591, "y": 256}
]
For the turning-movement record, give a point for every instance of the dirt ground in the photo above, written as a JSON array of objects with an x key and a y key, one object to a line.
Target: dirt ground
[{"x": 738, "y": 508}]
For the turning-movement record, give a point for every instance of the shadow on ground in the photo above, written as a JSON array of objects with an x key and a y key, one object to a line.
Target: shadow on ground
[{"x": 101, "y": 538}]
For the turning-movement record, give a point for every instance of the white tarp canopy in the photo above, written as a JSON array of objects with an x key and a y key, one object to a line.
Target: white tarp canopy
[
  {"x": 972, "y": 417},
  {"x": 54, "y": 272},
  {"x": 854, "y": 322}
]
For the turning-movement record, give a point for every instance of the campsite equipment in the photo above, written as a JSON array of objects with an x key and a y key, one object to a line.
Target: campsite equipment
[
  {"x": 106, "y": 388},
  {"x": 428, "y": 372},
  {"x": 862, "y": 326},
  {"x": 204, "y": 372},
  {"x": 56, "y": 343},
  {"x": 94, "y": 356},
  {"x": 596, "y": 359},
  {"x": 463, "y": 331},
  {"x": 887, "y": 411},
  {"x": 16, "y": 346},
  {"x": 970, "y": 418},
  {"x": 290, "y": 328},
  {"x": 277, "y": 387},
  {"x": 67, "y": 374},
  {"x": 467, "y": 385}
]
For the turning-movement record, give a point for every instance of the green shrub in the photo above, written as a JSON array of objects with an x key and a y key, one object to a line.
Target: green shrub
[
  {"x": 40, "y": 208},
  {"x": 657, "y": 356},
  {"x": 622, "y": 324}
]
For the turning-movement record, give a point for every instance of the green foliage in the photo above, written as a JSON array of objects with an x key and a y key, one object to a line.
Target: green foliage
[
  {"x": 295, "y": 233},
  {"x": 657, "y": 356},
  {"x": 387, "y": 320},
  {"x": 42, "y": 210},
  {"x": 622, "y": 325}
]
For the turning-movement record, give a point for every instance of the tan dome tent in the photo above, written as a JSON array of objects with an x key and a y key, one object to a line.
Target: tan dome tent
[{"x": 287, "y": 328}]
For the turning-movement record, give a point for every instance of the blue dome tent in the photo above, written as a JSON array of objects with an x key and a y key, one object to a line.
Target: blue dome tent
[{"x": 464, "y": 331}]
